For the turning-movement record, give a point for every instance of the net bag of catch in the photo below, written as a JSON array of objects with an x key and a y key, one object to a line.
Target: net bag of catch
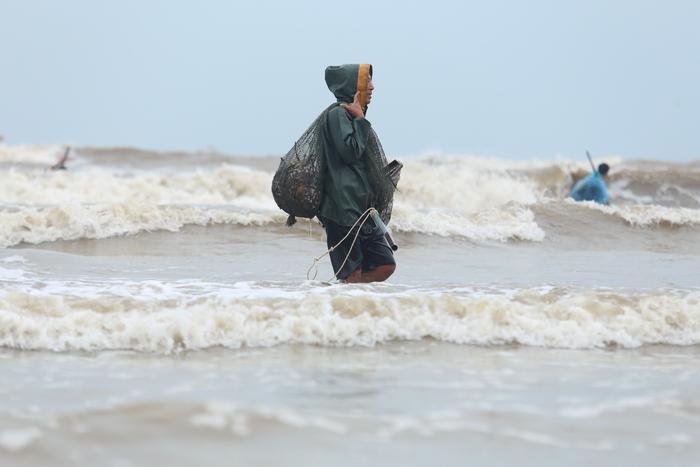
[{"x": 297, "y": 186}]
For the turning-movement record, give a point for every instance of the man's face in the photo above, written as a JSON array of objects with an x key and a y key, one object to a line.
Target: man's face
[{"x": 370, "y": 88}]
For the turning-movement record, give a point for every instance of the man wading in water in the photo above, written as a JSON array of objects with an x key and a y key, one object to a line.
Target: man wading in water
[{"x": 347, "y": 193}]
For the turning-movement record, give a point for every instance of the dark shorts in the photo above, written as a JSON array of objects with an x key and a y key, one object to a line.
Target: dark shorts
[{"x": 370, "y": 250}]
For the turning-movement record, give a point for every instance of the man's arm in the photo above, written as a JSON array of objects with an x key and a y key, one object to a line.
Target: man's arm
[{"x": 349, "y": 131}]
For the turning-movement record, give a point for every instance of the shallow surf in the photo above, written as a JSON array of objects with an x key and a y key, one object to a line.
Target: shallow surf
[{"x": 158, "y": 295}]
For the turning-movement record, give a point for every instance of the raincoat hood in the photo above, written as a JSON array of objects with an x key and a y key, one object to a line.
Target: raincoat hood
[{"x": 345, "y": 80}]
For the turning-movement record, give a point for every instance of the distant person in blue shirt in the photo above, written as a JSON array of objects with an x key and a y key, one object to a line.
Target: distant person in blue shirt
[{"x": 592, "y": 187}]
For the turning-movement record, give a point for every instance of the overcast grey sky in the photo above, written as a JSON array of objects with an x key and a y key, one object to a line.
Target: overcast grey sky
[{"x": 511, "y": 79}]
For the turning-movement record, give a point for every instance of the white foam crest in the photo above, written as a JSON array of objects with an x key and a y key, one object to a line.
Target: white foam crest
[
  {"x": 647, "y": 215},
  {"x": 468, "y": 197},
  {"x": 496, "y": 224},
  {"x": 11, "y": 274},
  {"x": 44, "y": 154},
  {"x": 461, "y": 187},
  {"x": 476, "y": 198},
  {"x": 227, "y": 184},
  {"x": 435, "y": 199},
  {"x": 343, "y": 315},
  {"x": 70, "y": 222}
]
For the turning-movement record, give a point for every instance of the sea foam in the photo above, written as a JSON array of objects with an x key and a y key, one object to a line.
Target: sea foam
[
  {"x": 478, "y": 199},
  {"x": 129, "y": 316}
]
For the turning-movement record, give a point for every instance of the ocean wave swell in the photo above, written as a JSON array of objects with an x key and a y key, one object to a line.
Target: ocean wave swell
[
  {"x": 479, "y": 199},
  {"x": 73, "y": 222},
  {"x": 157, "y": 317}
]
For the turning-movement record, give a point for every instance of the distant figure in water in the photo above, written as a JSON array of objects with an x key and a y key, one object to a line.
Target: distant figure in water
[
  {"x": 592, "y": 187},
  {"x": 61, "y": 164}
]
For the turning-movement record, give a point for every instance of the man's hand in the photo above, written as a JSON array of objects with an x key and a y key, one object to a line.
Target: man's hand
[{"x": 355, "y": 108}]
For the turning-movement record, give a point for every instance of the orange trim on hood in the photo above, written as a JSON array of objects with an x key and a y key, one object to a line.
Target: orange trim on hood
[{"x": 363, "y": 73}]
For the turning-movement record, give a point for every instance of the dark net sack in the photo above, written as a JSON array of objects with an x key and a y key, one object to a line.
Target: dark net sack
[
  {"x": 298, "y": 183},
  {"x": 297, "y": 186}
]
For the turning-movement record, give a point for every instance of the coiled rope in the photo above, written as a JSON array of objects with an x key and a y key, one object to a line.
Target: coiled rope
[{"x": 361, "y": 221}]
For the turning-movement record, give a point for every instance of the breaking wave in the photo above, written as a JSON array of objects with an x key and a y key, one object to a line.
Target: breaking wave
[
  {"x": 73, "y": 222},
  {"x": 160, "y": 317},
  {"x": 648, "y": 215},
  {"x": 225, "y": 185},
  {"x": 479, "y": 199},
  {"x": 30, "y": 154}
]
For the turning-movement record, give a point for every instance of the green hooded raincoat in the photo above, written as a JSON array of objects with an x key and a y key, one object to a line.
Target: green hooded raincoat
[{"x": 347, "y": 191}]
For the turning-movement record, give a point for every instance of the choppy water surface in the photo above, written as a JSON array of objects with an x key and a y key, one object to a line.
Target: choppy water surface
[{"x": 153, "y": 307}]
